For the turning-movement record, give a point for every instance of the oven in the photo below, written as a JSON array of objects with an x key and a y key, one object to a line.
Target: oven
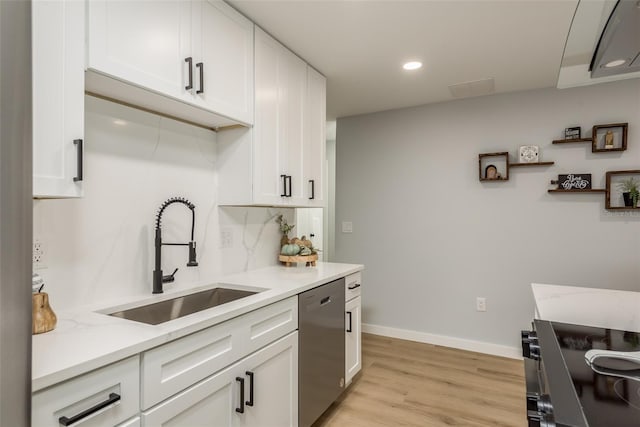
[{"x": 562, "y": 388}]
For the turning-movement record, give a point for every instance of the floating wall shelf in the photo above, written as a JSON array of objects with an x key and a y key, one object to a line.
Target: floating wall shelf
[
  {"x": 599, "y": 137},
  {"x": 588, "y": 190},
  {"x": 635, "y": 174},
  {"x": 515, "y": 165}
]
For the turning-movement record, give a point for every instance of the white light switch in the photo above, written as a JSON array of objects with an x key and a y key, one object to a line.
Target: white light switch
[{"x": 347, "y": 227}]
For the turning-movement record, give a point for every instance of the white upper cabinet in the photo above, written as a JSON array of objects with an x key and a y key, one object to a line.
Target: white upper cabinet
[
  {"x": 223, "y": 45},
  {"x": 199, "y": 53},
  {"x": 315, "y": 138},
  {"x": 58, "y": 98},
  {"x": 284, "y": 152}
]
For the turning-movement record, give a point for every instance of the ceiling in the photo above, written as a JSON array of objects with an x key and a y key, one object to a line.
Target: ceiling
[{"x": 360, "y": 46}]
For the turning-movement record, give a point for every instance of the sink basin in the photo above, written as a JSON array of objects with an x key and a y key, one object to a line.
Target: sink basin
[{"x": 160, "y": 312}]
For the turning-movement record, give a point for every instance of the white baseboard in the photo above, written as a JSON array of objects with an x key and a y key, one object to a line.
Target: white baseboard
[{"x": 443, "y": 340}]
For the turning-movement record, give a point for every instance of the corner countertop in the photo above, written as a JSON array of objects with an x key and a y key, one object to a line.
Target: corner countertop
[
  {"x": 602, "y": 308},
  {"x": 85, "y": 339}
]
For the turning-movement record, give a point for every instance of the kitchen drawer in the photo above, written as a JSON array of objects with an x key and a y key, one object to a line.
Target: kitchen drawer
[
  {"x": 113, "y": 392},
  {"x": 353, "y": 285},
  {"x": 171, "y": 368}
]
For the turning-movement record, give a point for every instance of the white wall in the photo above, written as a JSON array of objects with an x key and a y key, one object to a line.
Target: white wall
[
  {"x": 100, "y": 247},
  {"x": 433, "y": 238}
]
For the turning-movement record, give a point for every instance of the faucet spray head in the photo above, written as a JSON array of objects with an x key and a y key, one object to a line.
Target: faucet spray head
[{"x": 192, "y": 255}]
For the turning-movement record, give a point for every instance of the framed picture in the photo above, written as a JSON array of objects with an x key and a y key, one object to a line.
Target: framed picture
[
  {"x": 529, "y": 154},
  {"x": 573, "y": 133},
  {"x": 574, "y": 181}
]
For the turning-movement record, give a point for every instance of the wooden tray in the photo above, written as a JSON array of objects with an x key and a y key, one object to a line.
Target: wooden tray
[{"x": 310, "y": 260}]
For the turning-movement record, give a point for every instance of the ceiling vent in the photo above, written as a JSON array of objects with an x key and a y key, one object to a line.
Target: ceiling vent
[
  {"x": 474, "y": 88},
  {"x": 618, "y": 50}
]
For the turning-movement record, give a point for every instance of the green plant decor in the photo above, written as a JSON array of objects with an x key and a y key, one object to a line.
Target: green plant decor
[{"x": 630, "y": 186}]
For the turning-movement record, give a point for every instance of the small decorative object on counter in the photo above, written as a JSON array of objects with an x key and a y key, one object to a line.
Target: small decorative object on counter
[
  {"x": 284, "y": 229},
  {"x": 42, "y": 316},
  {"x": 299, "y": 250},
  {"x": 529, "y": 154},
  {"x": 572, "y": 133},
  {"x": 573, "y": 181},
  {"x": 630, "y": 192}
]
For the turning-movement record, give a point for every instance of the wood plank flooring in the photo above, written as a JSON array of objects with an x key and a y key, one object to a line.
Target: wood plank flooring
[{"x": 404, "y": 383}]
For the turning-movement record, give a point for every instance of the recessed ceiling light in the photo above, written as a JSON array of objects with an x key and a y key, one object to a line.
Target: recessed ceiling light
[
  {"x": 413, "y": 65},
  {"x": 119, "y": 122},
  {"x": 615, "y": 63}
]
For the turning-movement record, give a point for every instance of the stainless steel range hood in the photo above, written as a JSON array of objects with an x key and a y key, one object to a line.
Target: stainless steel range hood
[
  {"x": 618, "y": 51},
  {"x": 602, "y": 31}
]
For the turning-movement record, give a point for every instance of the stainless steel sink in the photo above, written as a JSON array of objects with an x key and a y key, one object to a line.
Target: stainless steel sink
[{"x": 175, "y": 308}]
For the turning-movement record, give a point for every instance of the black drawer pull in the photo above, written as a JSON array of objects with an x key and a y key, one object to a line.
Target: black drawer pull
[
  {"x": 189, "y": 61},
  {"x": 250, "y": 401},
  {"x": 350, "y": 320},
  {"x": 240, "y": 410},
  {"x": 200, "y": 65},
  {"x": 78, "y": 144},
  {"x": 356, "y": 286},
  {"x": 289, "y": 178},
  {"x": 325, "y": 300},
  {"x": 113, "y": 398}
]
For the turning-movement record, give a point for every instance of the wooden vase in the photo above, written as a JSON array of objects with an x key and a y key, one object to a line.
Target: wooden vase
[{"x": 43, "y": 317}]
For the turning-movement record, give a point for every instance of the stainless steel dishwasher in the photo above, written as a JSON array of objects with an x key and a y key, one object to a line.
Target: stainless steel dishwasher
[{"x": 321, "y": 343}]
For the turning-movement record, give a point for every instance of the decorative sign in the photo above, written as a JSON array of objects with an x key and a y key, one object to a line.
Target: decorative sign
[
  {"x": 574, "y": 181},
  {"x": 572, "y": 133},
  {"x": 529, "y": 154}
]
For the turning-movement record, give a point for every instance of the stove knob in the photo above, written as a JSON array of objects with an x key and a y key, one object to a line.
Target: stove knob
[
  {"x": 534, "y": 350},
  {"x": 536, "y": 419},
  {"x": 544, "y": 404},
  {"x": 527, "y": 337}
]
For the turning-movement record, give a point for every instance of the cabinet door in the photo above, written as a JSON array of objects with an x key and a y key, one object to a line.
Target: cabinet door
[
  {"x": 353, "y": 337},
  {"x": 223, "y": 51},
  {"x": 211, "y": 402},
  {"x": 272, "y": 373},
  {"x": 315, "y": 140},
  {"x": 142, "y": 43},
  {"x": 268, "y": 148},
  {"x": 293, "y": 95},
  {"x": 58, "y": 97}
]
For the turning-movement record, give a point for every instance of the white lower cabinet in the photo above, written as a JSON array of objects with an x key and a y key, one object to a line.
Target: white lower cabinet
[
  {"x": 105, "y": 397},
  {"x": 259, "y": 390},
  {"x": 133, "y": 422},
  {"x": 353, "y": 344},
  {"x": 353, "y": 325}
]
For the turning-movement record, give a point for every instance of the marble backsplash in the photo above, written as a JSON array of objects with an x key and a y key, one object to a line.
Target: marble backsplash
[{"x": 100, "y": 247}]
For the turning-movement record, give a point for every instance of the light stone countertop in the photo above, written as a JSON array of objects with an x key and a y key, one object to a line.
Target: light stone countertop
[
  {"x": 603, "y": 308},
  {"x": 85, "y": 340}
]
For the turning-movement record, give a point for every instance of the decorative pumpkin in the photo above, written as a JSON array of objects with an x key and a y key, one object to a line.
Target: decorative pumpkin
[
  {"x": 305, "y": 251},
  {"x": 290, "y": 250}
]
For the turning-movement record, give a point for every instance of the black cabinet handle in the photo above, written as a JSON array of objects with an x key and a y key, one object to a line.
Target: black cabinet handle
[
  {"x": 250, "y": 401},
  {"x": 313, "y": 189},
  {"x": 200, "y": 65},
  {"x": 79, "y": 149},
  {"x": 356, "y": 286},
  {"x": 189, "y": 61},
  {"x": 350, "y": 320},
  {"x": 284, "y": 185},
  {"x": 113, "y": 398},
  {"x": 290, "y": 191},
  {"x": 240, "y": 410}
]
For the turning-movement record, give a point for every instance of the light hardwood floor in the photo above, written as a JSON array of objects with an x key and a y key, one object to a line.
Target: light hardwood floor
[{"x": 404, "y": 383}]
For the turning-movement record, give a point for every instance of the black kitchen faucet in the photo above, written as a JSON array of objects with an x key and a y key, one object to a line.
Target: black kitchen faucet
[{"x": 158, "y": 278}]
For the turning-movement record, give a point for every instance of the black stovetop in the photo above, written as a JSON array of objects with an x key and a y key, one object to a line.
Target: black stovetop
[{"x": 607, "y": 401}]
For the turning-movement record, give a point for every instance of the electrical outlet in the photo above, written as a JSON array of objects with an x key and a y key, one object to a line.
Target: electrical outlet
[
  {"x": 39, "y": 254},
  {"x": 226, "y": 238},
  {"x": 481, "y": 304},
  {"x": 347, "y": 227}
]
